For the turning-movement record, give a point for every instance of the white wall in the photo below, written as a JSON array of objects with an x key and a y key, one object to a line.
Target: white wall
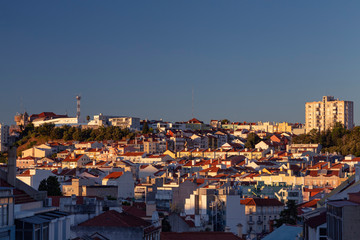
[
  {"x": 35, "y": 177},
  {"x": 235, "y": 213}
]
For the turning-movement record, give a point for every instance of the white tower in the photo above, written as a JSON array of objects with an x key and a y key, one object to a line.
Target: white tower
[{"x": 78, "y": 98}]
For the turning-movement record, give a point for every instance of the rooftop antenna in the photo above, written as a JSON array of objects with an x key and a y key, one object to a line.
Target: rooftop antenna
[
  {"x": 78, "y": 98},
  {"x": 22, "y": 109},
  {"x": 193, "y": 102}
]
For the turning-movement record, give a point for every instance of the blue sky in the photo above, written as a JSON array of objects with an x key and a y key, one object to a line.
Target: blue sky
[{"x": 245, "y": 60}]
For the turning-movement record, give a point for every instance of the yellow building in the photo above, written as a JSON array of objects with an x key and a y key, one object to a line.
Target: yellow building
[{"x": 284, "y": 127}]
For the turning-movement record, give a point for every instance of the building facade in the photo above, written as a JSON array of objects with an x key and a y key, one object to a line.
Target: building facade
[
  {"x": 324, "y": 114},
  {"x": 259, "y": 214},
  {"x": 4, "y": 137}
]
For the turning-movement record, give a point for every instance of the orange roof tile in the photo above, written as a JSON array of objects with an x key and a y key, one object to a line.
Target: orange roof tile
[{"x": 114, "y": 175}]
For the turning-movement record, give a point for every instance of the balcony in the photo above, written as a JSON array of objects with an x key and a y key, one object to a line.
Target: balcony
[
  {"x": 250, "y": 222},
  {"x": 259, "y": 222}
]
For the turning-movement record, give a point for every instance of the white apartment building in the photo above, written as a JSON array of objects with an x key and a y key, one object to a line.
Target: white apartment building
[
  {"x": 4, "y": 137},
  {"x": 324, "y": 114},
  {"x": 119, "y": 121}
]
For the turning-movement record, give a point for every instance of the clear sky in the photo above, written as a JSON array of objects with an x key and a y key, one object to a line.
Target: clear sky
[{"x": 245, "y": 60}]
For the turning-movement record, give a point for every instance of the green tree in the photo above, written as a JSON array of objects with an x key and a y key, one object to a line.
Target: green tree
[
  {"x": 3, "y": 157},
  {"x": 288, "y": 215},
  {"x": 45, "y": 129},
  {"x": 109, "y": 133},
  {"x": 165, "y": 225},
  {"x": 51, "y": 185},
  {"x": 116, "y": 134},
  {"x": 67, "y": 136},
  {"x": 252, "y": 140},
  {"x": 43, "y": 185},
  {"x": 225, "y": 121},
  {"x": 57, "y": 133},
  {"x": 145, "y": 128},
  {"x": 77, "y": 135}
]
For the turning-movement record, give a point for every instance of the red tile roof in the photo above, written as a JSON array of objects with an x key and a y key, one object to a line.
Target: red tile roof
[
  {"x": 27, "y": 158},
  {"x": 71, "y": 159},
  {"x": 317, "y": 220},
  {"x": 133, "y": 154},
  {"x": 309, "y": 204},
  {"x": 199, "y": 236},
  {"x": 211, "y": 169},
  {"x": 114, "y": 175},
  {"x": 261, "y": 202},
  {"x": 137, "y": 211},
  {"x": 194, "y": 120},
  {"x": 114, "y": 218},
  {"x": 26, "y": 173},
  {"x": 19, "y": 195}
]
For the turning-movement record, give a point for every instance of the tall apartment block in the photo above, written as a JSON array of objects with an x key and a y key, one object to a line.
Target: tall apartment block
[{"x": 323, "y": 115}]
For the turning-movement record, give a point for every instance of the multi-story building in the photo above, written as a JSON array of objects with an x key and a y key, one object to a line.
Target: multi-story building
[
  {"x": 4, "y": 137},
  {"x": 324, "y": 114},
  {"x": 119, "y": 121},
  {"x": 75, "y": 161},
  {"x": 343, "y": 218},
  {"x": 259, "y": 213},
  {"x": 126, "y": 122}
]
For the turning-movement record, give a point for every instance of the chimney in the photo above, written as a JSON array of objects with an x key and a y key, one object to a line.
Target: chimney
[
  {"x": 32, "y": 171},
  {"x": 239, "y": 227},
  {"x": 11, "y": 170},
  {"x": 94, "y": 162}
]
